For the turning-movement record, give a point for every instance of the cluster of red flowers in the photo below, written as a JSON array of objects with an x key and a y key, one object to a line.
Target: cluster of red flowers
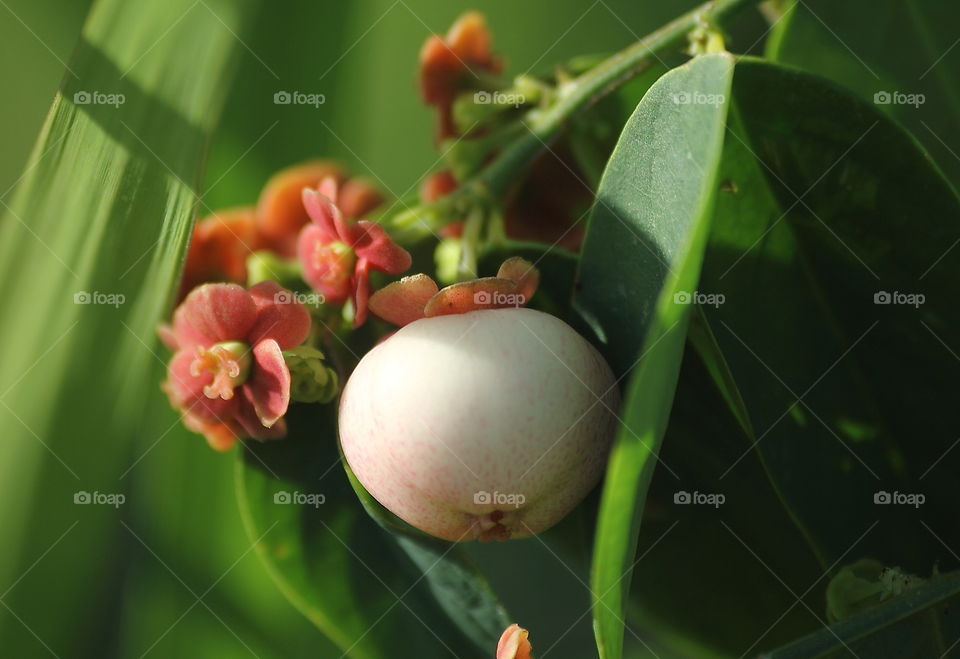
[
  {"x": 544, "y": 208},
  {"x": 230, "y": 375}
]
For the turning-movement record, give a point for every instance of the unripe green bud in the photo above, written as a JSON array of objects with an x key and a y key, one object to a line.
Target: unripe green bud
[{"x": 312, "y": 381}]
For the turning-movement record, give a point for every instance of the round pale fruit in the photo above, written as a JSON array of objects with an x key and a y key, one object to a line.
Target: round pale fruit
[{"x": 490, "y": 424}]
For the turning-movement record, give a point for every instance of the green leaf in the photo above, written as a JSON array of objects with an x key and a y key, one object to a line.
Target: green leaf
[
  {"x": 337, "y": 566},
  {"x": 893, "y": 628},
  {"x": 825, "y": 203},
  {"x": 898, "y": 54},
  {"x": 644, "y": 244},
  {"x": 103, "y": 212},
  {"x": 454, "y": 579}
]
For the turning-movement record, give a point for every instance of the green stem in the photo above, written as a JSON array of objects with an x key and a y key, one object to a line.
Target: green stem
[{"x": 585, "y": 89}]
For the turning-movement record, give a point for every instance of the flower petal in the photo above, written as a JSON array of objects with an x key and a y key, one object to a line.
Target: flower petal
[
  {"x": 437, "y": 185},
  {"x": 322, "y": 208},
  {"x": 328, "y": 271},
  {"x": 168, "y": 337},
  {"x": 514, "y": 644},
  {"x": 474, "y": 295},
  {"x": 268, "y": 388},
  {"x": 402, "y": 302},
  {"x": 280, "y": 210},
  {"x": 361, "y": 292},
  {"x": 470, "y": 39},
  {"x": 357, "y": 198},
  {"x": 374, "y": 244},
  {"x": 248, "y": 422},
  {"x": 523, "y": 273},
  {"x": 444, "y": 63},
  {"x": 219, "y": 248},
  {"x": 279, "y": 316},
  {"x": 220, "y": 436},
  {"x": 213, "y": 313}
]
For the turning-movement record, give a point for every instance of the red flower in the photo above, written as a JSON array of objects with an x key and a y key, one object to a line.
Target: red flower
[
  {"x": 228, "y": 377},
  {"x": 280, "y": 211},
  {"x": 337, "y": 256},
  {"x": 448, "y": 64},
  {"x": 514, "y": 643},
  {"x": 219, "y": 248}
]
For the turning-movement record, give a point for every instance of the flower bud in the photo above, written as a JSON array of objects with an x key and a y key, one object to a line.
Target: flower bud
[
  {"x": 447, "y": 258},
  {"x": 514, "y": 644},
  {"x": 312, "y": 381}
]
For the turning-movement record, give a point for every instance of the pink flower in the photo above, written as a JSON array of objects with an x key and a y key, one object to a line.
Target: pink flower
[
  {"x": 337, "y": 256},
  {"x": 227, "y": 377}
]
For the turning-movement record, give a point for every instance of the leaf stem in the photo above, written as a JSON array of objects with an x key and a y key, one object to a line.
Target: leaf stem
[{"x": 577, "y": 94}]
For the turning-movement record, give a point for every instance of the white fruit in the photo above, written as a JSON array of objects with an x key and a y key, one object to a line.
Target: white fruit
[{"x": 487, "y": 424}]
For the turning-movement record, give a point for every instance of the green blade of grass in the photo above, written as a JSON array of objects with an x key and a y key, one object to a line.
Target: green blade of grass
[{"x": 90, "y": 248}]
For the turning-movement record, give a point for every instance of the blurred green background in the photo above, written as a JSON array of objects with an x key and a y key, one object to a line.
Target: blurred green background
[{"x": 174, "y": 575}]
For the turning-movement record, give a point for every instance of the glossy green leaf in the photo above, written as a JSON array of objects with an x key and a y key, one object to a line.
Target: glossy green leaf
[
  {"x": 644, "y": 245},
  {"x": 900, "y": 55},
  {"x": 826, "y": 208},
  {"x": 453, "y": 578},
  {"x": 89, "y": 252},
  {"x": 337, "y": 566}
]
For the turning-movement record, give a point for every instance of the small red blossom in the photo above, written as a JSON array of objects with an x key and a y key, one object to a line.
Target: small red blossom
[
  {"x": 337, "y": 256},
  {"x": 227, "y": 376},
  {"x": 514, "y": 644},
  {"x": 219, "y": 248},
  {"x": 448, "y": 64},
  {"x": 418, "y": 296},
  {"x": 280, "y": 212}
]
